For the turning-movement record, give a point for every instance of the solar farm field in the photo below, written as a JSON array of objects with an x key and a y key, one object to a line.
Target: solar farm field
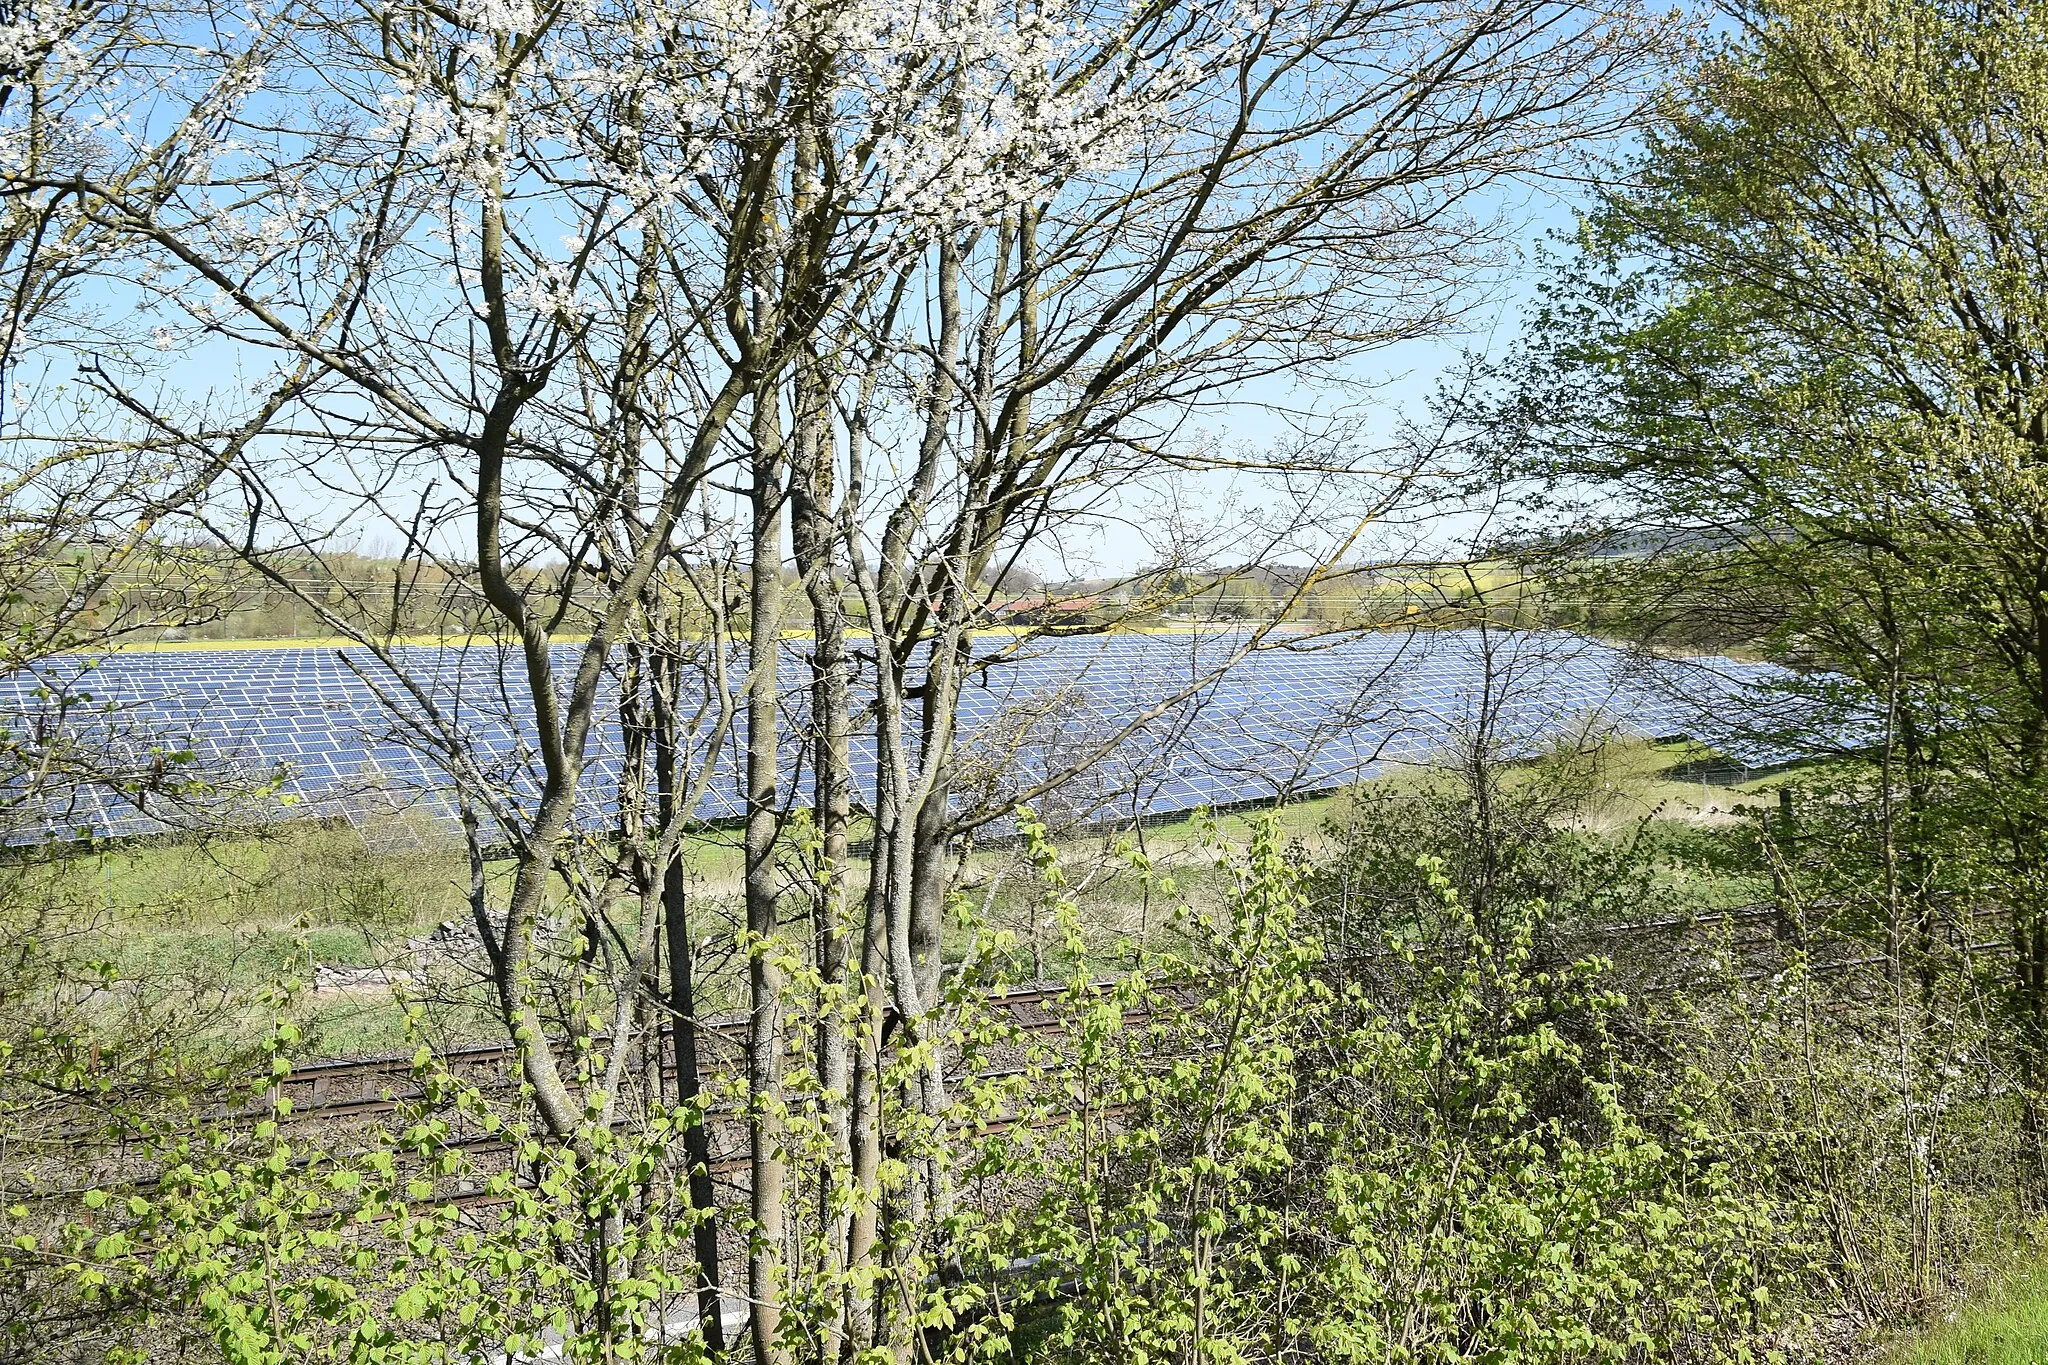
[{"x": 1099, "y": 728}]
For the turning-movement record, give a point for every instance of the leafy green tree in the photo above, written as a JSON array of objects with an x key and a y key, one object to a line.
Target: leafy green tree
[{"x": 1800, "y": 358}]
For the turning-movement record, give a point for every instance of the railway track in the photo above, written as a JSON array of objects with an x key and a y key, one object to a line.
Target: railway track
[
  {"x": 352, "y": 1087},
  {"x": 363, "y": 1086},
  {"x": 355, "y": 1092}
]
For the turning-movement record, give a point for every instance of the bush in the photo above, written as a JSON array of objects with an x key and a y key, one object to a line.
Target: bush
[{"x": 1280, "y": 1161}]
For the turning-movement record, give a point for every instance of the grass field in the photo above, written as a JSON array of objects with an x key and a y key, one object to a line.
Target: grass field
[
  {"x": 236, "y": 914},
  {"x": 2006, "y": 1325}
]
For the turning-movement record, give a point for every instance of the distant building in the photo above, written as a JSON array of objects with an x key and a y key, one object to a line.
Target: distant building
[{"x": 1086, "y": 609}]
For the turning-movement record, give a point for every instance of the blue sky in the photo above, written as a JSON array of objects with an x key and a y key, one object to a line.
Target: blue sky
[{"x": 1390, "y": 387}]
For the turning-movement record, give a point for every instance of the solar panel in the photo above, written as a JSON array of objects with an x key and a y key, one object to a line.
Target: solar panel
[{"x": 1116, "y": 726}]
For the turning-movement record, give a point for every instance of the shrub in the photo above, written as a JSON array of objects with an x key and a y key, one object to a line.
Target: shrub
[{"x": 1280, "y": 1161}]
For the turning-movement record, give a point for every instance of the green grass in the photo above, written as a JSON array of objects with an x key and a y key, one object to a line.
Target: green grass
[
  {"x": 233, "y": 914},
  {"x": 2008, "y": 1325}
]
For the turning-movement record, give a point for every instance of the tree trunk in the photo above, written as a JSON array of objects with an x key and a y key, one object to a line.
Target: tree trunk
[
  {"x": 766, "y": 1271},
  {"x": 682, "y": 1007},
  {"x": 812, "y": 538},
  {"x": 682, "y": 993}
]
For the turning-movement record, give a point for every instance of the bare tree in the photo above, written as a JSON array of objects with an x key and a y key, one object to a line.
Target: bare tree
[
  {"x": 597, "y": 311},
  {"x": 1297, "y": 207}
]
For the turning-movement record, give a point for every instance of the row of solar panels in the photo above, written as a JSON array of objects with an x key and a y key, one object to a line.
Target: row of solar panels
[{"x": 1097, "y": 726}]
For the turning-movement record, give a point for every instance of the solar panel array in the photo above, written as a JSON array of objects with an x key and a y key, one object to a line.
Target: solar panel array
[{"x": 1084, "y": 727}]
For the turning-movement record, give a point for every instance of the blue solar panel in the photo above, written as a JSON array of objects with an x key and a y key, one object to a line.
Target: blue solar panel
[{"x": 1128, "y": 724}]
